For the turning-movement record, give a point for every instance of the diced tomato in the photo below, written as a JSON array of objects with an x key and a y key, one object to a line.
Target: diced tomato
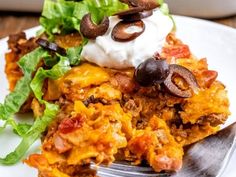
[
  {"x": 177, "y": 51},
  {"x": 71, "y": 124},
  {"x": 208, "y": 77},
  {"x": 36, "y": 160}
]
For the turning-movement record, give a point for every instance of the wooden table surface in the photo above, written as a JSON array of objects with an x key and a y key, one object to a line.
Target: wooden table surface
[{"x": 15, "y": 22}]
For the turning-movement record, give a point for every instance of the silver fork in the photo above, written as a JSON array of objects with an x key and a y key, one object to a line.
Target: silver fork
[{"x": 207, "y": 158}]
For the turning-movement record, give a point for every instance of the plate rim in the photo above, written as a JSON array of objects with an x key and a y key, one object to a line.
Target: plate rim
[{"x": 209, "y": 23}]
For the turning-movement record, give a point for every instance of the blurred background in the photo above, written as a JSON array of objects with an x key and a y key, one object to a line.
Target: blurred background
[
  {"x": 203, "y": 8},
  {"x": 17, "y": 15}
]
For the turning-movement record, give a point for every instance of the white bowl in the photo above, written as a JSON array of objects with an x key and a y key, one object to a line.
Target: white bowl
[
  {"x": 22, "y": 5},
  {"x": 203, "y": 8}
]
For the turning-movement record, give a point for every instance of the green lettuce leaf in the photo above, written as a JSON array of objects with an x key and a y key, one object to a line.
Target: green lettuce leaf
[
  {"x": 50, "y": 61},
  {"x": 16, "y": 99},
  {"x": 32, "y": 135},
  {"x": 73, "y": 53},
  {"x": 165, "y": 10},
  {"x": 62, "y": 17},
  {"x": 57, "y": 71},
  {"x": 102, "y": 8},
  {"x": 18, "y": 128},
  {"x": 57, "y": 17}
]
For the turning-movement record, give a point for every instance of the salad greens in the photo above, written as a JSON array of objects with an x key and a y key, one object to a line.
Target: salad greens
[
  {"x": 73, "y": 53},
  {"x": 31, "y": 134},
  {"x": 57, "y": 71},
  {"x": 20, "y": 128},
  {"x": 58, "y": 17},
  {"x": 16, "y": 99},
  {"x": 62, "y": 17}
]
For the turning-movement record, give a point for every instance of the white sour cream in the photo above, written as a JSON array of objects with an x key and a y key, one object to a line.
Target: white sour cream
[{"x": 106, "y": 52}]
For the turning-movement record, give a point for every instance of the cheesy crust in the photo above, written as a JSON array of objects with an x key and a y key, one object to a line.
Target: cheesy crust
[{"x": 105, "y": 116}]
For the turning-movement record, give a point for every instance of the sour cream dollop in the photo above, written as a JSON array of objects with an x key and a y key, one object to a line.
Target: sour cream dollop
[{"x": 106, "y": 52}]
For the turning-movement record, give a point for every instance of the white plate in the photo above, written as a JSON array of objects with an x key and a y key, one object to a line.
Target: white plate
[
  {"x": 203, "y": 8},
  {"x": 206, "y": 39}
]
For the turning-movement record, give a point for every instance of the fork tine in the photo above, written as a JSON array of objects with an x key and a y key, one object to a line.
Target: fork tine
[
  {"x": 127, "y": 167},
  {"x": 209, "y": 157},
  {"x": 122, "y": 169},
  {"x": 122, "y": 173},
  {"x": 104, "y": 174},
  {"x": 200, "y": 159}
]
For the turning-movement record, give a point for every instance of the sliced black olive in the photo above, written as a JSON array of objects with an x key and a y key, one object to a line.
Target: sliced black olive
[
  {"x": 130, "y": 11},
  {"x": 188, "y": 77},
  {"x": 146, "y": 4},
  {"x": 127, "y": 31},
  {"x": 51, "y": 46},
  {"x": 91, "y": 30},
  {"x": 136, "y": 16},
  {"x": 151, "y": 72}
]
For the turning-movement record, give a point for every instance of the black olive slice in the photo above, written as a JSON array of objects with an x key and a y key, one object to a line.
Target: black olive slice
[
  {"x": 136, "y": 16},
  {"x": 130, "y": 11},
  {"x": 91, "y": 30},
  {"x": 51, "y": 46},
  {"x": 151, "y": 72},
  {"x": 186, "y": 75},
  {"x": 146, "y": 4},
  {"x": 127, "y": 31}
]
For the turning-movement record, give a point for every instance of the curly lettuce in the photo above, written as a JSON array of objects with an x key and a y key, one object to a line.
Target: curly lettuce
[
  {"x": 18, "y": 128},
  {"x": 17, "y": 98},
  {"x": 57, "y": 71},
  {"x": 58, "y": 17},
  {"x": 62, "y": 17},
  {"x": 31, "y": 134},
  {"x": 73, "y": 53}
]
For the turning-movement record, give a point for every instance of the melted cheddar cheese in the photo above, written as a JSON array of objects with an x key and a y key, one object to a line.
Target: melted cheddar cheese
[{"x": 105, "y": 116}]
